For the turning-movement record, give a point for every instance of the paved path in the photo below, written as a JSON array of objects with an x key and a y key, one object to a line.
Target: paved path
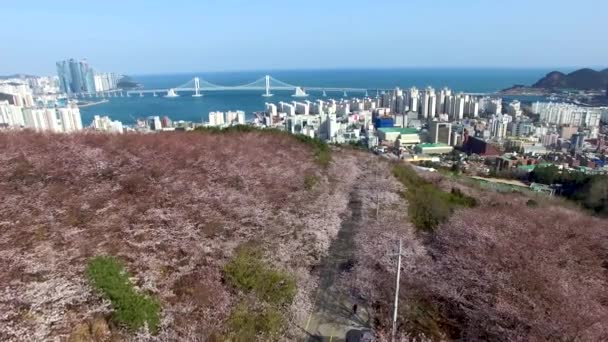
[{"x": 332, "y": 318}]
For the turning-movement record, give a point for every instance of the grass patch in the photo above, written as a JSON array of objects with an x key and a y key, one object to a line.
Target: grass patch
[
  {"x": 249, "y": 273},
  {"x": 131, "y": 309},
  {"x": 247, "y": 321},
  {"x": 429, "y": 206},
  {"x": 260, "y": 314}
]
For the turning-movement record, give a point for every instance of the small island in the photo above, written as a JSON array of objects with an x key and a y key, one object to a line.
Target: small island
[{"x": 127, "y": 83}]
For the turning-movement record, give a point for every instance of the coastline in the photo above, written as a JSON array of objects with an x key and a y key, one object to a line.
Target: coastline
[{"x": 89, "y": 104}]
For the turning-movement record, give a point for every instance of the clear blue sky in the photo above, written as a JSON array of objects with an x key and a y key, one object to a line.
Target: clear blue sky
[{"x": 136, "y": 36}]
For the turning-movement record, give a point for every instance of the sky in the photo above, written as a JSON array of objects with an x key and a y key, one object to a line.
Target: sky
[{"x": 171, "y": 36}]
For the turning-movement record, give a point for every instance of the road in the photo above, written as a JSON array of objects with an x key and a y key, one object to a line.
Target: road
[{"x": 332, "y": 316}]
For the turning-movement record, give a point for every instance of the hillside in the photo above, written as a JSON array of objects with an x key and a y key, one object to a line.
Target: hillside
[
  {"x": 584, "y": 79},
  {"x": 244, "y": 236},
  {"x": 172, "y": 208}
]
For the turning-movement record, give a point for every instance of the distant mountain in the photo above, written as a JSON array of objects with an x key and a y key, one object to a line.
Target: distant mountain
[
  {"x": 8, "y": 77},
  {"x": 583, "y": 79}
]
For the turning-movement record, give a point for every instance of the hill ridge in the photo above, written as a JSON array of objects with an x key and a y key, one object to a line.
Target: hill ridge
[{"x": 583, "y": 79}]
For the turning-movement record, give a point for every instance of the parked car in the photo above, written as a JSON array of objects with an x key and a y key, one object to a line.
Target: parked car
[{"x": 363, "y": 335}]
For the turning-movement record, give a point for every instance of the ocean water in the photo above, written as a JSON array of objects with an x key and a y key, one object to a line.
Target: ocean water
[{"x": 190, "y": 108}]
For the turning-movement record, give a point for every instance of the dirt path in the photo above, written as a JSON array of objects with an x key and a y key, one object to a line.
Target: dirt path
[{"x": 333, "y": 316}]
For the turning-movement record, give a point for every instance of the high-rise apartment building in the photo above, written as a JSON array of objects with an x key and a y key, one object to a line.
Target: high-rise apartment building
[
  {"x": 216, "y": 118},
  {"x": 69, "y": 118},
  {"x": 75, "y": 76},
  {"x": 105, "y": 81},
  {"x": 10, "y": 115}
]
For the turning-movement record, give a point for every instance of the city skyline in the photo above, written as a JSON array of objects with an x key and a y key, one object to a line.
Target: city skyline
[{"x": 272, "y": 35}]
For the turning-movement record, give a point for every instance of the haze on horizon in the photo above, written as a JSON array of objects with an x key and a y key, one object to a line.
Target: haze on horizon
[{"x": 143, "y": 37}]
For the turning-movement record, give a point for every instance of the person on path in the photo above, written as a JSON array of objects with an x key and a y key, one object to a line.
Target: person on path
[{"x": 355, "y": 309}]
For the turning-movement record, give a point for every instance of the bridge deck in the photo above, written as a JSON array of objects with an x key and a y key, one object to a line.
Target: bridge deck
[{"x": 264, "y": 84}]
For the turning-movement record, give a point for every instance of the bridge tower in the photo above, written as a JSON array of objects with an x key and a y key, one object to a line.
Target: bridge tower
[
  {"x": 267, "y": 94},
  {"x": 197, "y": 86}
]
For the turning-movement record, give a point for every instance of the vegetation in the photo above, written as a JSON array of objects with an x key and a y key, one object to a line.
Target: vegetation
[
  {"x": 131, "y": 309},
  {"x": 429, "y": 206},
  {"x": 504, "y": 251},
  {"x": 310, "y": 181},
  {"x": 532, "y": 203},
  {"x": 247, "y": 321},
  {"x": 249, "y": 273},
  {"x": 490, "y": 272},
  {"x": 321, "y": 150},
  {"x": 170, "y": 205},
  {"x": 273, "y": 289},
  {"x": 589, "y": 190},
  {"x": 234, "y": 129}
]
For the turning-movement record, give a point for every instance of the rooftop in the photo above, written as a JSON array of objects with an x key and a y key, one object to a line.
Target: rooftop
[
  {"x": 533, "y": 166},
  {"x": 398, "y": 130},
  {"x": 428, "y": 145}
]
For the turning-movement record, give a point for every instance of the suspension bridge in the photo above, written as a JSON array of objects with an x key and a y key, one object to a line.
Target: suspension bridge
[{"x": 196, "y": 86}]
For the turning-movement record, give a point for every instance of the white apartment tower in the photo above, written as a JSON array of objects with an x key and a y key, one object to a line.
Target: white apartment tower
[
  {"x": 70, "y": 119},
  {"x": 11, "y": 115}
]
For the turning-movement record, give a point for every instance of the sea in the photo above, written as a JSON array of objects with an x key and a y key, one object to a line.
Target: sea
[{"x": 186, "y": 107}]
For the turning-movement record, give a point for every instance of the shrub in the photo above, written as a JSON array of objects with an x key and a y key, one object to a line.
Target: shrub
[
  {"x": 429, "y": 206},
  {"x": 246, "y": 322},
  {"x": 134, "y": 184},
  {"x": 459, "y": 198},
  {"x": 427, "y": 209},
  {"x": 131, "y": 309},
  {"x": 23, "y": 171},
  {"x": 321, "y": 150},
  {"x": 532, "y": 203},
  {"x": 249, "y": 273},
  {"x": 310, "y": 181},
  {"x": 596, "y": 195}
]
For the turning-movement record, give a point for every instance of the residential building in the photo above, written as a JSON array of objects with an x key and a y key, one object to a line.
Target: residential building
[
  {"x": 105, "y": 124},
  {"x": 440, "y": 132},
  {"x": 69, "y": 118},
  {"x": 566, "y": 132},
  {"x": 216, "y": 118},
  {"x": 153, "y": 123},
  {"x": 76, "y": 76},
  {"x": 11, "y": 116},
  {"x": 16, "y": 93}
]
